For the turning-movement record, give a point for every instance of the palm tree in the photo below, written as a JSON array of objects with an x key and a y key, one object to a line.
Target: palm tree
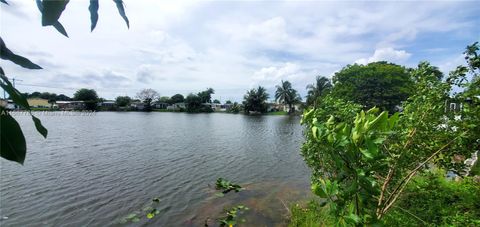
[
  {"x": 255, "y": 100},
  {"x": 287, "y": 95},
  {"x": 316, "y": 90}
]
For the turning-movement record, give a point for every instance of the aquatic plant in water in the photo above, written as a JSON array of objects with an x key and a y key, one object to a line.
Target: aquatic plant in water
[
  {"x": 231, "y": 219},
  {"x": 150, "y": 211},
  {"x": 227, "y": 186}
]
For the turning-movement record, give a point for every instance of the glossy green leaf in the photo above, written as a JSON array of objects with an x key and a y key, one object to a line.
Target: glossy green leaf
[
  {"x": 392, "y": 121},
  {"x": 366, "y": 153},
  {"x": 7, "y": 54},
  {"x": 121, "y": 11},
  {"x": 38, "y": 125},
  {"x": 379, "y": 122},
  {"x": 52, "y": 10},
  {"x": 13, "y": 146},
  {"x": 57, "y": 25},
  {"x": 314, "y": 132},
  {"x": 4, "y": 1},
  {"x": 319, "y": 190},
  {"x": 352, "y": 218},
  {"x": 93, "y": 8}
]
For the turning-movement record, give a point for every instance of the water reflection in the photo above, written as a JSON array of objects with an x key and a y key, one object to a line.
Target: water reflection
[{"x": 96, "y": 170}]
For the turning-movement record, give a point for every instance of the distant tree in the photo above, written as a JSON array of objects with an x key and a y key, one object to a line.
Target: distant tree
[
  {"x": 123, "y": 101},
  {"x": 48, "y": 96},
  {"x": 62, "y": 97},
  {"x": 35, "y": 94},
  {"x": 178, "y": 98},
  {"x": 287, "y": 95},
  {"x": 236, "y": 108},
  {"x": 216, "y": 101},
  {"x": 228, "y": 102},
  {"x": 164, "y": 99},
  {"x": 89, "y": 96},
  {"x": 206, "y": 96},
  {"x": 256, "y": 100},
  {"x": 381, "y": 84},
  {"x": 429, "y": 69},
  {"x": 147, "y": 96},
  {"x": 194, "y": 103},
  {"x": 314, "y": 91}
]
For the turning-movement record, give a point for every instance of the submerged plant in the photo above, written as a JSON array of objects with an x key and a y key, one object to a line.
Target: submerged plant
[
  {"x": 231, "y": 219},
  {"x": 227, "y": 186},
  {"x": 149, "y": 210}
]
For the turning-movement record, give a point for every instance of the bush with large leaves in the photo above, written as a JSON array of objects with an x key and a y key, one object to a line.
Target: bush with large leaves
[
  {"x": 362, "y": 165},
  {"x": 12, "y": 141}
]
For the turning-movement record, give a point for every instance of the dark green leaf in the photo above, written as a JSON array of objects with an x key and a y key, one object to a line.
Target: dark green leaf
[
  {"x": 13, "y": 146},
  {"x": 121, "y": 11},
  {"x": 57, "y": 25},
  {"x": 93, "y": 8},
  {"x": 367, "y": 153},
  {"x": 38, "y": 125},
  {"x": 14, "y": 94},
  {"x": 3, "y": 1},
  {"x": 52, "y": 10},
  {"x": 39, "y": 5},
  {"x": 7, "y": 54}
]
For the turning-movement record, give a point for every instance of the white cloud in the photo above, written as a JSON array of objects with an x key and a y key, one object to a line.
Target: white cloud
[
  {"x": 386, "y": 54},
  {"x": 186, "y": 46},
  {"x": 275, "y": 74}
]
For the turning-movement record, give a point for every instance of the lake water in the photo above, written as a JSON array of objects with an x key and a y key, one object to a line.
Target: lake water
[{"x": 98, "y": 170}]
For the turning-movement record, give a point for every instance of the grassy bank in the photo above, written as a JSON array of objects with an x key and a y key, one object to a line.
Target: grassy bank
[
  {"x": 430, "y": 200},
  {"x": 277, "y": 113}
]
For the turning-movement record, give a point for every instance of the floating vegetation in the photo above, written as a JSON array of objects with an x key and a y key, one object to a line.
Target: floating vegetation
[
  {"x": 133, "y": 217},
  {"x": 232, "y": 217},
  {"x": 152, "y": 213},
  {"x": 148, "y": 211},
  {"x": 226, "y": 186}
]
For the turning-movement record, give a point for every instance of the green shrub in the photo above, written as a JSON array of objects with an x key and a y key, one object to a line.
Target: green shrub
[
  {"x": 431, "y": 199},
  {"x": 310, "y": 215}
]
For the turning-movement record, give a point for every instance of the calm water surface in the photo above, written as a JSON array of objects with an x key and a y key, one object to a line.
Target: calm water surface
[{"x": 97, "y": 170}]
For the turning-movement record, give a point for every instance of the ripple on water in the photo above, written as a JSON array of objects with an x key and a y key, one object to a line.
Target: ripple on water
[{"x": 96, "y": 170}]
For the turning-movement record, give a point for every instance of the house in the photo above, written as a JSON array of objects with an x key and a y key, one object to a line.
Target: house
[
  {"x": 221, "y": 107},
  {"x": 70, "y": 105},
  {"x": 160, "y": 105},
  {"x": 274, "y": 107},
  {"x": 7, "y": 104},
  {"x": 177, "y": 106},
  {"x": 215, "y": 106},
  {"x": 107, "y": 104},
  {"x": 38, "y": 103},
  {"x": 138, "y": 105},
  {"x": 456, "y": 105}
]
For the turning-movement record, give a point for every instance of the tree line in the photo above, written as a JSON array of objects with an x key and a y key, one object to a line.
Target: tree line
[{"x": 378, "y": 84}]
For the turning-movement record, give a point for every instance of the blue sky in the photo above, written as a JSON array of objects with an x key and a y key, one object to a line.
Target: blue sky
[{"x": 231, "y": 46}]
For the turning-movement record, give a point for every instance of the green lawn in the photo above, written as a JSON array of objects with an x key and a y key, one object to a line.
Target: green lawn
[{"x": 277, "y": 113}]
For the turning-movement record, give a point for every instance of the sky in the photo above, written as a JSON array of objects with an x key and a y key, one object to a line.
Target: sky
[{"x": 232, "y": 46}]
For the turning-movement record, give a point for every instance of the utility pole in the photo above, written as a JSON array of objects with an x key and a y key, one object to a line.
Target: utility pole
[{"x": 14, "y": 79}]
